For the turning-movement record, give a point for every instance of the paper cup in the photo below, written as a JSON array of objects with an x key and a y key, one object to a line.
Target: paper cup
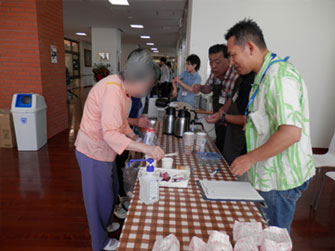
[
  {"x": 167, "y": 163},
  {"x": 200, "y": 142},
  {"x": 188, "y": 142}
]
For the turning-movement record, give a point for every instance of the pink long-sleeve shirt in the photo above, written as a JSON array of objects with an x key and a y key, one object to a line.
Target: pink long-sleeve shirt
[{"x": 104, "y": 130}]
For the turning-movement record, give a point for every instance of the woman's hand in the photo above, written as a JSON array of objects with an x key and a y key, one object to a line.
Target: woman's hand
[
  {"x": 174, "y": 89},
  {"x": 176, "y": 80},
  {"x": 196, "y": 88},
  {"x": 154, "y": 152},
  {"x": 142, "y": 122}
]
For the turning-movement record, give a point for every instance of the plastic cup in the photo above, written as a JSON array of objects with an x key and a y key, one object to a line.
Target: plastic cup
[
  {"x": 200, "y": 142},
  {"x": 167, "y": 163},
  {"x": 188, "y": 142}
]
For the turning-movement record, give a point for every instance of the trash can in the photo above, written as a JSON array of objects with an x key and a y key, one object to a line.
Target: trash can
[{"x": 30, "y": 121}]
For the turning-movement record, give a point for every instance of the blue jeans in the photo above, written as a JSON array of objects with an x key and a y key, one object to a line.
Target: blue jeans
[{"x": 281, "y": 205}]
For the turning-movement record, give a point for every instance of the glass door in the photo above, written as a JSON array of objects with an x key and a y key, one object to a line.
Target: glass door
[{"x": 72, "y": 62}]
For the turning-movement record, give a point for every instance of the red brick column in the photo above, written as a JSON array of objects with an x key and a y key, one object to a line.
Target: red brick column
[{"x": 27, "y": 30}]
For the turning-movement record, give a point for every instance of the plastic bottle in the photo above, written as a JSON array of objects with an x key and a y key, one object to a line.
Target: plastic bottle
[
  {"x": 150, "y": 134},
  {"x": 149, "y": 185}
]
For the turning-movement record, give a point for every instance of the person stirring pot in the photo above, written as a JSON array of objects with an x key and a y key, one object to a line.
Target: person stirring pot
[{"x": 104, "y": 132}]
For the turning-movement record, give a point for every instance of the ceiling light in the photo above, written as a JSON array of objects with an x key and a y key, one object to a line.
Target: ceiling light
[
  {"x": 154, "y": 49},
  {"x": 150, "y": 44},
  {"x": 81, "y": 34},
  {"x": 145, "y": 37},
  {"x": 119, "y": 2},
  {"x": 137, "y": 26}
]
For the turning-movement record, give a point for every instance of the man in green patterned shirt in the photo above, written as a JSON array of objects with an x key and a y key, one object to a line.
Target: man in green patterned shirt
[{"x": 279, "y": 159}]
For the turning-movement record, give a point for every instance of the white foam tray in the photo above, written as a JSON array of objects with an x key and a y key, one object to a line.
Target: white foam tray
[{"x": 172, "y": 172}]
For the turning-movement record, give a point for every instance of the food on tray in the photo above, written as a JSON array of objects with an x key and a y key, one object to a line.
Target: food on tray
[
  {"x": 181, "y": 167},
  {"x": 174, "y": 178}
]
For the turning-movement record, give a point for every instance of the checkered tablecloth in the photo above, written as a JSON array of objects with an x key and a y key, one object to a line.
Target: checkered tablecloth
[{"x": 183, "y": 211}]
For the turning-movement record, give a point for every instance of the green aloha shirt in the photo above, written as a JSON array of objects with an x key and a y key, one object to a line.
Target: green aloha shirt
[{"x": 282, "y": 99}]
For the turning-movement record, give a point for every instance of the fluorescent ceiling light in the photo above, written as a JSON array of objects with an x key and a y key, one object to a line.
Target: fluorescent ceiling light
[
  {"x": 145, "y": 37},
  {"x": 119, "y": 2},
  {"x": 137, "y": 26},
  {"x": 154, "y": 49},
  {"x": 81, "y": 34},
  {"x": 150, "y": 44}
]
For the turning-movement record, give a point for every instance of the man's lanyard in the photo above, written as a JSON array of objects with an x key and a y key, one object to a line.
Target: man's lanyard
[{"x": 262, "y": 77}]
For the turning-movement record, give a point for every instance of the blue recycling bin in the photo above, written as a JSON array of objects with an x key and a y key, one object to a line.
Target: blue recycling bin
[{"x": 30, "y": 121}]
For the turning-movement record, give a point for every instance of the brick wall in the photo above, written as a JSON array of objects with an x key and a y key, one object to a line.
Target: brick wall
[
  {"x": 50, "y": 32},
  {"x": 27, "y": 29}
]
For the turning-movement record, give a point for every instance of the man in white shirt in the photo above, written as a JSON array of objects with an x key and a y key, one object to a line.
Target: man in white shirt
[{"x": 165, "y": 77}]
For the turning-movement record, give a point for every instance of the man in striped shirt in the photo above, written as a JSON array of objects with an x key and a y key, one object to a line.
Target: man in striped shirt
[
  {"x": 279, "y": 159},
  {"x": 221, "y": 82}
]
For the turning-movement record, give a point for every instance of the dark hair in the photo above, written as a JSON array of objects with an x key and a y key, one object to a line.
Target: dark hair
[
  {"x": 163, "y": 59},
  {"x": 247, "y": 30},
  {"x": 169, "y": 64},
  {"x": 218, "y": 48},
  {"x": 194, "y": 59}
]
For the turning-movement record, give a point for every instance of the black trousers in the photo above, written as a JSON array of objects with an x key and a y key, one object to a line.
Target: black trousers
[
  {"x": 220, "y": 131},
  {"x": 166, "y": 89},
  {"x": 120, "y": 165}
]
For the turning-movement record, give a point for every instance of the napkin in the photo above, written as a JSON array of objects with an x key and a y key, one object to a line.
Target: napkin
[
  {"x": 246, "y": 244},
  {"x": 197, "y": 244},
  {"x": 169, "y": 243},
  {"x": 277, "y": 235},
  {"x": 245, "y": 229},
  {"x": 218, "y": 242}
]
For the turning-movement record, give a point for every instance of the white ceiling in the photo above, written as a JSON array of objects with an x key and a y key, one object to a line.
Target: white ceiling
[{"x": 161, "y": 20}]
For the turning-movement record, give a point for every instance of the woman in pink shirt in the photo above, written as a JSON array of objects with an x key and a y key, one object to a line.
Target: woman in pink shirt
[{"x": 104, "y": 132}]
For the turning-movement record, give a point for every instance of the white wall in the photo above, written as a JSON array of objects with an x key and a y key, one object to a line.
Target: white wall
[
  {"x": 106, "y": 40},
  {"x": 301, "y": 29}
]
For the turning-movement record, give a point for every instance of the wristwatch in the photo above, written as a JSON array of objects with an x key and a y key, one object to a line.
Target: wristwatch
[{"x": 223, "y": 118}]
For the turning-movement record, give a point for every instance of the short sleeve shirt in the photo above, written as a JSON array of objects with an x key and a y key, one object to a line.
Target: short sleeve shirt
[
  {"x": 165, "y": 77},
  {"x": 189, "y": 79},
  {"x": 282, "y": 99},
  {"x": 222, "y": 89}
]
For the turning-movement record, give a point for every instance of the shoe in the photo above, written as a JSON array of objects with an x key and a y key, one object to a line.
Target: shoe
[
  {"x": 112, "y": 245},
  {"x": 113, "y": 227},
  {"x": 120, "y": 212},
  {"x": 130, "y": 194},
  {"x": 125, "y": 202}
]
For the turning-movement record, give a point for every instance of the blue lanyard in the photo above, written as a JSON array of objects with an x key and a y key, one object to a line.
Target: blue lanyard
[{"x": 262, "y": 77}]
